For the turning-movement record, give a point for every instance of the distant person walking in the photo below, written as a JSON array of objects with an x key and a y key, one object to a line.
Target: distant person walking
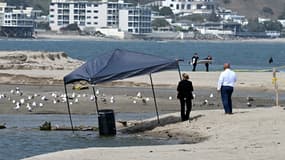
[
  {"x": 194, "y": 61},
  {"x": 226, "y": 83},
  {"x": 184, "y": 94},
  {"x": 207, "y": 63}
]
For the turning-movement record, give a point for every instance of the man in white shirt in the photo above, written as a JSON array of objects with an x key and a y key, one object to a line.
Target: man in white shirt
[{"x": 226, "y": 83}]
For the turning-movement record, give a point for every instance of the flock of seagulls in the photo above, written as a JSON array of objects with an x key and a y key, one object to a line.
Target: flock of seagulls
[
  {"x": 21, "y": 100},
  {"x": 30, "y": 101}
]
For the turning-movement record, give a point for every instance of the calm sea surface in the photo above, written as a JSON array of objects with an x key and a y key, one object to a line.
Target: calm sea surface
[
  {"x": 242, "y": 55},
  {"x": 23, "y": 139}
]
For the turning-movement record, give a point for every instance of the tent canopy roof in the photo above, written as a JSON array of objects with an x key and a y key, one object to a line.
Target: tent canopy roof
[{"x": 119, "y": 64}]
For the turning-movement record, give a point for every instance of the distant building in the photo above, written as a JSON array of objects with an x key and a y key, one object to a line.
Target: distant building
[
  {"x": 184, "y": 7},
  {"x": 99, "y": 15},
  {"x": 17, "y": 22},
  {"x": 136, "y": 20},
  {"x": 229, "y": 16},
  {"x": 86, "y": 14}
]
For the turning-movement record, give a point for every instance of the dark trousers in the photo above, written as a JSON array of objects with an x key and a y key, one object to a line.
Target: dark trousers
[
  {"x": 207, "y": 67},
  {"x": 226, "y": 94},
  {"x": 185, "y": 114},
  {"x": 194, "y": 67}
]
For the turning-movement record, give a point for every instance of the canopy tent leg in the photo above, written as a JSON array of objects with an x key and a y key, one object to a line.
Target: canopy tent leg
[
  {"x": 96, "y": 101},
  {"x": 154, "y": 98},
  {"x": 179, "y": 70},
  {"x": 68, "y": 108}
]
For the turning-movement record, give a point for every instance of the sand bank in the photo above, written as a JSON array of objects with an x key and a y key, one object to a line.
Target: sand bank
[{"x": 247, "y": 134}]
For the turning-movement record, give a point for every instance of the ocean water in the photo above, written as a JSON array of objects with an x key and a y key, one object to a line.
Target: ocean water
[
  {"x": 23, "y": 139},
  {"x": 242, "y": 55}
]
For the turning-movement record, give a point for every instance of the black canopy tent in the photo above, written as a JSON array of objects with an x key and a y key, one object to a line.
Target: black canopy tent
[{"x": 118, "y": 64}]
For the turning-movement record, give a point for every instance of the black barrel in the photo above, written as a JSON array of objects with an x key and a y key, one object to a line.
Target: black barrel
[{"x": 107, "y": 126}]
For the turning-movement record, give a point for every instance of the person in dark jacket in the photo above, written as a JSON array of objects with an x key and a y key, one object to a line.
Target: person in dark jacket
[
  {"x": 207, "y": 63},
  {"x": 194, "y": 61},
  {"x": 184, "y": 94}
]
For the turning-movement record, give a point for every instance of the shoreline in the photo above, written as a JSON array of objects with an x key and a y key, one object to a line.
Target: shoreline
[
  {"x": 82, "y": 37},
  {"x": 254, "y": 135}
]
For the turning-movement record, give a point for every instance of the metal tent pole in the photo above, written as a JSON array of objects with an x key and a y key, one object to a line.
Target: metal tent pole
[
  {"x": 154, "y": 98},
  {"x": 68, "y": 108},
  {"x": 96, "y": 101},
  {"x": 179, "y": 70}
]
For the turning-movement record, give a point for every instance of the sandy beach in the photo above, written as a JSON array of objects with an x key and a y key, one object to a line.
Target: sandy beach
[{"x": 253, "y": 132}]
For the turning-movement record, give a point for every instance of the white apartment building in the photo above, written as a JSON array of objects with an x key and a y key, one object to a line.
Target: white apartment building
[
  {"x": 95, "y": 15},
  {"x": 135, "y": 20},
  {"x": 10, "y": 16},
  {"x": 185, "y": 7},
  {"x": 17, "y": 21}
]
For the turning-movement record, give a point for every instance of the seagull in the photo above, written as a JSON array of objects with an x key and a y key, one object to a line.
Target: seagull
[
  {"x": 34, "y": 104},
  {"x": 170, "y": 98},
  {"x": 22, "y": 101},
  {"x": 44, "y": 98},
  {"x": 76, "y": 100},
  {"x": 248, "y": 104},
  {"x": 112, "y": 99},
  {"x": 53, "y": 94},
  {"x": 134, "y": 101},
  {"x": 248, "y": 98},
  {"x": 97, "y": 92},
  {"x": 92, "y": 98},
  {"x": 18, "y": 105},
  {"x": 194, "y": 96},
  {"x": 29, "y": 107},
  {"x": 41, "y": 104},
  {"x": 13, "y": 101},
  {"x": 12, "y": 91},
  {"x": 30, "y": 97},
  {"x": 54, "y": 101},
  {"x": 211, "y": 95},
  {"x": 139, "y": 95},
  {"x": 73, "y": 95},
  {"x": 147, "y": 99}
]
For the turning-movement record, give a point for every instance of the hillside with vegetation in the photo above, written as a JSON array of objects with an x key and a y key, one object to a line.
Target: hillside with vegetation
[{"x": 255, "y": 8}]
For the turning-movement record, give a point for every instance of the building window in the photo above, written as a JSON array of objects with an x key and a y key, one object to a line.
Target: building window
[
  {"x": 130, "y": 30},
  {"x": 95, "y": 17},
  {"x": 95, "y": 11},
  {"x": 95, "y": 23},
  {"x": 177, "y": 6},
  {"x": 89, "y": 23},
  {"x": 88, "y": 11},
  {"x": 188, "y": 6},
  {"x": 171, "y": 5}
]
